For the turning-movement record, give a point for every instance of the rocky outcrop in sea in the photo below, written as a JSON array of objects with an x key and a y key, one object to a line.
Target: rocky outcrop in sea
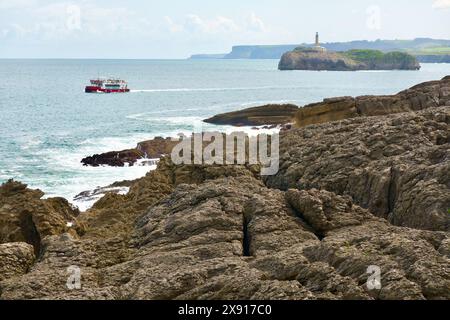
[
  {"x": 150, "y": 149},
  {"x": 272, "y": 114},
  {"x": 351, "y": 195}
]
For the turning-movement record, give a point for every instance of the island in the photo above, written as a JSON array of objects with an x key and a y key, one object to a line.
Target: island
[{"x": 318, "y": 58}]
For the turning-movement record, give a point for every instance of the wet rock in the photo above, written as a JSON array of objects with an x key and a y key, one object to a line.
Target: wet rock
[
  {"x": 151, "y": 149},
  {"x": 268, "y": 115}
]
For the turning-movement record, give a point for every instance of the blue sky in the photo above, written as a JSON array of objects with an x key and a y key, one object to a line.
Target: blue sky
[{"x": 179, "y": 28}]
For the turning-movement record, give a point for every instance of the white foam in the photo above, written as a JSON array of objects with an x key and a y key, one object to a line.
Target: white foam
[{"x": 85, "y": 203}]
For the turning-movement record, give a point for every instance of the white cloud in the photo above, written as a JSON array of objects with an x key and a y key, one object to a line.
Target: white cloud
[
  {"x": 172, "y": 26},
  {"x": 218, "y": 25},
  {"x": 195, "y": 24},
  {"x": 441, "y": 4},
  {"x": 63, "y": 19},
  {"x": 255, "y": 23}
]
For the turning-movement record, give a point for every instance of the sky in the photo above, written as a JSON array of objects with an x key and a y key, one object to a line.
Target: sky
[{"x": 175, "y": 29}]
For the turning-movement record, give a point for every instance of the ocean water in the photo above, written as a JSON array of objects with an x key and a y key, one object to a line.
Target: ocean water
[{"x": 48, "y": 123}]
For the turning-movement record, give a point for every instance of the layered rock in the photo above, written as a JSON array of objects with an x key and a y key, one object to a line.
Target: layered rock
[
  {"x": 273, "y": 114},
  {"x": 397, "y": 166},
  {"x": 425, "y": 95}
]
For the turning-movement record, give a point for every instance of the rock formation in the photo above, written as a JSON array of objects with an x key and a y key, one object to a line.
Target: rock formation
[
  {"x": 272, "y": 114},
  {"x": 151, "y": 149},
  {"x": 420, "y": 97},
  {"x": 224, "y": 235},
  {"x": 24, "y": 217},
  {"x": 350, "y": 195},
  {"x": 311, "y": 59}
]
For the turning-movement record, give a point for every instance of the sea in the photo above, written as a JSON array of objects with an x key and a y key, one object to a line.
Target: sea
[{"x": 48, "y": 124}]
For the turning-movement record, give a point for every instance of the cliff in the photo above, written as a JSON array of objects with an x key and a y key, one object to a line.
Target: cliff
[
  {"x": 418, "y": 47},
  {"x": 312, "y": 59}
]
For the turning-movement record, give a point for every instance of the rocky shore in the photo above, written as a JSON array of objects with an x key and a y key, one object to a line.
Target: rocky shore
[{"x": 369, "y": 189}]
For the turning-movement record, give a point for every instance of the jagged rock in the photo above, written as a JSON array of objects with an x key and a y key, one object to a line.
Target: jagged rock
[
  {"x": 114, "y": 158},
  {"x": 15, "y": 259},
  {"x": 25, "y": 217},
  {"x": 272, "y": 114},
  {"x": 397, "y": 166},
  {"x": 232, "y": 238},
  {"x": 150, "y": 149},
  {"x": 425, "y": 95}
]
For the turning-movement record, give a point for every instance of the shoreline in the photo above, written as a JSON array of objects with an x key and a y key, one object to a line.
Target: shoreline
[{"x": 307, "y": 113}]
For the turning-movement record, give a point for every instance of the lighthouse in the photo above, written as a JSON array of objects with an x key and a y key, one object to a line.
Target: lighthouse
[{"x": 317, "y": 46}]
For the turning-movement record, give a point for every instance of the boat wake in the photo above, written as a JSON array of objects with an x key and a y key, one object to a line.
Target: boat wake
[{"x": 215, "y": 89}]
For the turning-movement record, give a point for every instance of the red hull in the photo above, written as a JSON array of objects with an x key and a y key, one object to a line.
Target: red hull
[{"x": 92, "y": 89}]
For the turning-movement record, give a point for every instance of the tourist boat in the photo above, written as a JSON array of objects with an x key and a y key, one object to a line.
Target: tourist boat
[{"x": 107, "y": 86}]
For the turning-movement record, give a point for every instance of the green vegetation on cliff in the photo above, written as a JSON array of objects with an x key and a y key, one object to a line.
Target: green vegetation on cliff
[
  {"x": 316, "y": 59},
  {"x": 376, "y": 58}
]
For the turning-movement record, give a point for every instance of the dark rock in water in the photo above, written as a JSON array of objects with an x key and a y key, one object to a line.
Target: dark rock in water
[
  {"x": 420, "y": 97},
  {"x": 114, "y": 158},
  {"x": 272, "y": 114},
  {"x": 353, "y": 60},
  {"x": 151, "y": 149}
]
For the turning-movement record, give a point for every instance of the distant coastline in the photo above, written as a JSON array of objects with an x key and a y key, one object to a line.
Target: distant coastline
[{"x": 426, "y": 50}]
